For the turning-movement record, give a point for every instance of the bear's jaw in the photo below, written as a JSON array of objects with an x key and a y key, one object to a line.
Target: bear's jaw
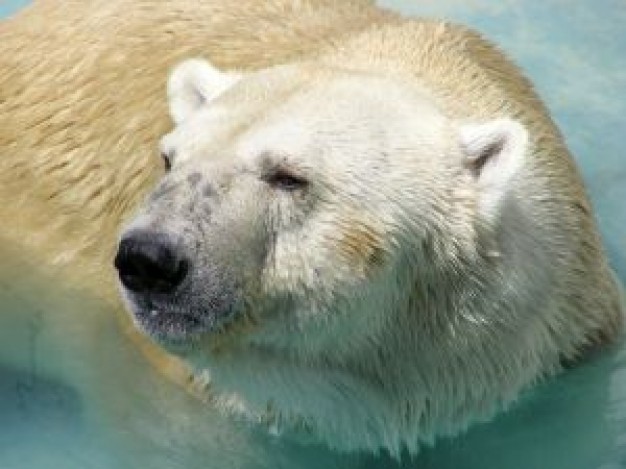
[
  {"x": 292, "y": 399},
  {"x": 167, "y": 328},
  {"x": 172, "y": 326},
  {"x": 340, "y": 407}
]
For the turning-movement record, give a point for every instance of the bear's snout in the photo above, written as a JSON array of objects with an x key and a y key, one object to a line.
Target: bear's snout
[{"x": 150, "y": 262}]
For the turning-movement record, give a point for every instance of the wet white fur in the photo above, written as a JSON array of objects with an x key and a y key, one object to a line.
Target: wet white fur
[{"x": 400, "y": 362}]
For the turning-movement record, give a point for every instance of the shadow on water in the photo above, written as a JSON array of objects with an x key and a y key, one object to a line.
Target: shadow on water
[{"x": 42, "y": 424}]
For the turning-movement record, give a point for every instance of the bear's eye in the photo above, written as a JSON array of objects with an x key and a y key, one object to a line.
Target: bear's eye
[
  {"x": 167, "y": 161},
  {"x": 284, "y": 179}
]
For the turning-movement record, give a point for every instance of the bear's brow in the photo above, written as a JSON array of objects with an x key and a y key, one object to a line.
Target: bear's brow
[{"x": 270, "y": 159}]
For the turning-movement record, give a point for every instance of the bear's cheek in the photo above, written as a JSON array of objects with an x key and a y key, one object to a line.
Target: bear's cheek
[
  {"x": 361, "y": 247},
  {"x": 312, "y": 272}
]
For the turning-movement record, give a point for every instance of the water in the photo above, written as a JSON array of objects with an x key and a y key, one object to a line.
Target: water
[{"x": 56, "y": 414}]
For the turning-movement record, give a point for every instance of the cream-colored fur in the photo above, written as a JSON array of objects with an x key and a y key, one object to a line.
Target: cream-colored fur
[
  {"x": 79, "y": 124},
  {"x": 443, "y": 260}
]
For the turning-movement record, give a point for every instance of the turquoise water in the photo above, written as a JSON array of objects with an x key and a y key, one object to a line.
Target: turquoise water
[
  {"x": 573, "y": 51},
  {"x": 8, "y": 7}
]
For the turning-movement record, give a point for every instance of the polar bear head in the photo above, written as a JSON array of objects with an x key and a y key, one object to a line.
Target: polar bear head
[{"x": 306, "y": 211}]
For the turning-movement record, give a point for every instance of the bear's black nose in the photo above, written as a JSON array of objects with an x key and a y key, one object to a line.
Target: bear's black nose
[{"x": 150, "y": 262}]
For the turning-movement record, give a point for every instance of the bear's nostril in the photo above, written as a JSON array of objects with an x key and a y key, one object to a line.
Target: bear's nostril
[{"x": 150, "y": 263}]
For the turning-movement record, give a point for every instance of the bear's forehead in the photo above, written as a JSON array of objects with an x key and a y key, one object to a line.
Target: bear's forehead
[
  {"x": 290, "y": 114},
  {"x": 347, "y": 112}
]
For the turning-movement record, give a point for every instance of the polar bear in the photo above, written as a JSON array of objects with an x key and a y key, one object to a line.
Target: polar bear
[
  {"x": 81, "y": 110},
  {"x": 375, "y": 245}
]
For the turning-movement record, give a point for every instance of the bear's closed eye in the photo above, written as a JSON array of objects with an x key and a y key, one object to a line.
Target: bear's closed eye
[{"x": 286, "y": 180}]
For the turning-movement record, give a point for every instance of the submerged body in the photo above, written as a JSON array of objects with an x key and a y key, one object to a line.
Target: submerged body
[{"x": 377, "y": 242}]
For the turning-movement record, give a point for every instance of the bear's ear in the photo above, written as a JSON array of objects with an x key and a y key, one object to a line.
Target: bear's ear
[
  {"x": 494, "y": 153},
  {"x": 194, "y": 83}
]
